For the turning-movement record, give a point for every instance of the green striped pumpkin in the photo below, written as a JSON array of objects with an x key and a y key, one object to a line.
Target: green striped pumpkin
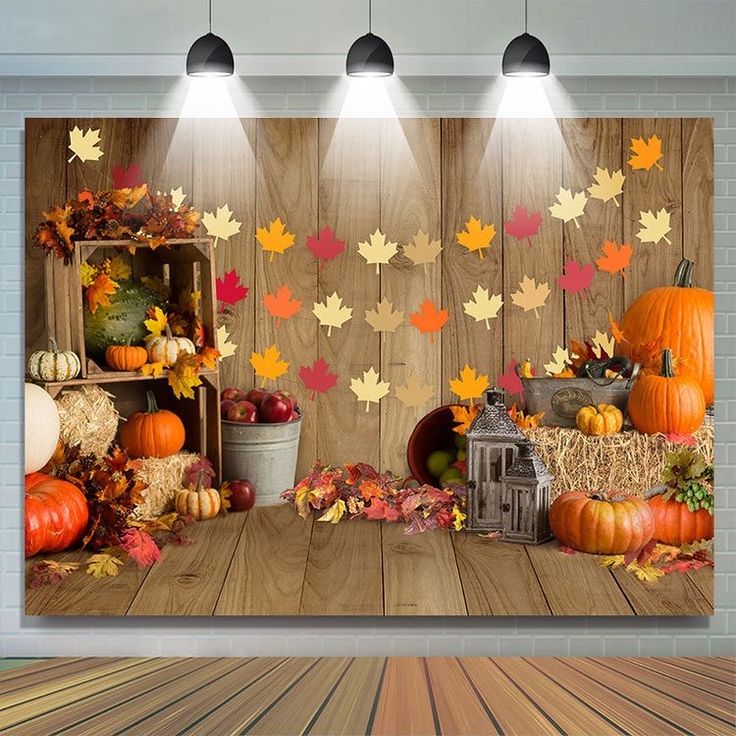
[{"x": 53, "y": 364}]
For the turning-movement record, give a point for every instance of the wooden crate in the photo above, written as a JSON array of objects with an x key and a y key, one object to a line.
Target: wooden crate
[{"x": 182, "y": 264}]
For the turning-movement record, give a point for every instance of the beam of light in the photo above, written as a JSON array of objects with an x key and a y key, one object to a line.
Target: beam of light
[
  {"x": 367, "y": 97},
  {"x": 524, "y": 97},
  {"x": 208, "y": 97}
]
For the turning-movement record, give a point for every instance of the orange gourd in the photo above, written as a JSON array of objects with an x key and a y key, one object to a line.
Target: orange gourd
[
  {"x": 599, "y": 420},
  {"x": 679, "y": 317},
  {"x": 666, "y": 403},
  {"x": 675, "y": 524},
  {"x": 126, "y": 357},
  {"x": 592, "y": 523},
  {"x": 153, "y": 433}
]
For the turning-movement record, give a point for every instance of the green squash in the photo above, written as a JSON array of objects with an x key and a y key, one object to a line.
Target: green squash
[{"x": 122, "y": 320}]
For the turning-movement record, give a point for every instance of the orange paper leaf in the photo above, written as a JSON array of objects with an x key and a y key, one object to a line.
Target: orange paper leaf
[
  {"x": 281, "y": 305},
  {"x": 429, "y": 319},
  {"x": 269, "y": 364},
  {"x": 476, "y": 236},
  {"x": 616, "y": 257},
  {"x": 468, "y": 385},
  {"x": 646, "y": 154}
]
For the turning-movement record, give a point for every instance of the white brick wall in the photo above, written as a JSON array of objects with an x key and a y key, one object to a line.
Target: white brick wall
[{"x": 310, "y": 96}]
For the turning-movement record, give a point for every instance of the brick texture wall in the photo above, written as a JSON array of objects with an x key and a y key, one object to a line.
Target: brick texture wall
[{"x": 151, "y": 96}]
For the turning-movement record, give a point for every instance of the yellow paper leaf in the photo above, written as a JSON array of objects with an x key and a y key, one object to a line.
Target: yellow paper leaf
[
  {"x": 224, "y": 345},
  {"x": 607, "y": 186},
  {"x": 377, "y": 250},
  {"x": 268, "y": 365},
  {"x": 184, "y": 375},
  {"x": 422, "y": 250},
  {"x": 103, "y": 565},
  {"x": 654, "y": 227},
  {"x": 331, "y": 313},
  {"x": 275, "y": 238},
  {"x": 476, "y": 236},
  {"x": 152, "y": 369},
  {"x": 177, "y": 197},
  {"x": 530, "y": 295},
  {"x": 561, "y": 360},
  {"x": 384, "y": 318},
  {"x": 646, "y": 154},
  {"x": 334, "y": 513},
  {"x": 483, "y": 307},
  {"x": 369, "y": 388},
  {"x": 569, "y": 206},
  {"x": 414, "y": 393},
  {"x": 603, "y": 345},
  {"x": 156, "y": 324},
  {"x": 85, "y": 146},
  {"x": 469, "y": 386},
  {"x": 117, "y": 268},
  {"x": 220, "y": 224}
]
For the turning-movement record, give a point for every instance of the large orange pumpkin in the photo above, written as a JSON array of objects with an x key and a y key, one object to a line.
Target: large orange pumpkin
[
  {"x": 153, "y": 433},
  {"x": 679, "y": 317},
  {"x": 675, "y": 524},
  {"x": 666, "y": 403},
  {"x": 56, "y": 514},
  {"x": 594, "y": 524}
]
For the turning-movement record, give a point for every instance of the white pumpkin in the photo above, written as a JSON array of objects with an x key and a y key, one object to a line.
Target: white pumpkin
[
  {"x": 42, "y": 428},
  {"x": 53, "y": 364},
  {"x": 166, "y": 348}
]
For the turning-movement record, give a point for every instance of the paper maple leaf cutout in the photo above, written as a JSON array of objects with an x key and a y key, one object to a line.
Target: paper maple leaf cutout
[
  {"x": 654, "y": 227},
  {"x": 99, "y": 291},
  {"x": 510, "y": 381},
  {"x": 229, "y": 289},
  {"x": 530, "y": 295},
  {"x": 476, "y": 236},
  {"x": 468, "y": 386},
  {"x": 377, "y": 250},
  {"x": 569, "y": 206},
  {"x": 317, "y": 377},
  {"x": 177, "y": 197},
  {"x": 422, "y": 249},
  {"x": 429, "y": 319},
  {"x": 561, "y": 359},
  {"x": 616, "y": 331},
  {"x": 646, "y": 154},
  {"x": 331, "y": 313},
  {"x": 607, "y": 186},
  {"x": 369, "y": 388},
  {"x": 84, "y": 145},
  {"x": 604, "y": 346},
  {"x": 276, "y": 238},
  {"x": 483, "y": 307},
  {"x": 384, "y": 318},
  {"x": 220, "y": 224},
  {"x": 281, "y": 305},
  {"x": 184, "y": 375},
  {"x": 615, "y": 258},
  {"x": 523, "y": 225},
  {"x": 122, "y": 178},
  {"x": 414, "y": 393},
  {"x": 325, "y": 247},
  {"x": 268, "y": 365},
  {"x": 224, "y": 345},
  {"x": 576, "y": 277}
]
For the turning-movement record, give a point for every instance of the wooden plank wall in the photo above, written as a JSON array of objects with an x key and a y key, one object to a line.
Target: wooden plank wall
[{"x": 400, "y": 176}]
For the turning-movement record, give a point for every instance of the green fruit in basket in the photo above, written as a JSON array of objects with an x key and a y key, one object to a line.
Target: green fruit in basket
[
  {"x": 122, "y": 320},
  {"x": 450, "y": 475},
  {"x": 438, "y": 462},
  {"x": 461, "y": 441}
]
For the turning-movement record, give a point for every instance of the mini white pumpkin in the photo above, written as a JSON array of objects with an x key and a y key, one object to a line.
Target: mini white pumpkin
[
  {"x": 53, "y": 364},
  {"x": 199, "y": 503},
  {"x": 42, "y": 427},
  {"x": 166, "y": 348}
]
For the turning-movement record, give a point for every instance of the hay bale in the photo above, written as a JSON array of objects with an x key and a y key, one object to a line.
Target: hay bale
[
  {"x": 88, "y": 418},
  {"x": 629, "y": 461},
  {"x": 163, "y": 476}
]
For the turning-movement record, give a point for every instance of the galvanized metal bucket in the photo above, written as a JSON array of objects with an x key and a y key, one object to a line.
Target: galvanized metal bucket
[{"x": 264, "y": 454}]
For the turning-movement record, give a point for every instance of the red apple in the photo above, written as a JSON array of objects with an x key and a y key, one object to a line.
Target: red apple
[
  {"x": 256, "y": 395},
  {"x": 294, "y": 416},
  {"x": 225, "y": 406},
  {"x": 244, "y": 412},
  {"x": 232, "y": 394},
  {"x": 275, "y": 409},
  {"x": 288, "y": 396},
  {"x": 242, "y": 495}
]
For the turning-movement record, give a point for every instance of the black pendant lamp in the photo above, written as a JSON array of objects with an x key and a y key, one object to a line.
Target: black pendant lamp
[
  {"x": 370, "y": 55},
  {"x": 526, "y": 55},
  {"x": 210, "y": 56}
]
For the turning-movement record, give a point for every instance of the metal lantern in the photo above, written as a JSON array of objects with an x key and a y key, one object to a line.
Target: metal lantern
[
  {"x": 525, "y": 494},
  {"x": 493, "y": 441}
]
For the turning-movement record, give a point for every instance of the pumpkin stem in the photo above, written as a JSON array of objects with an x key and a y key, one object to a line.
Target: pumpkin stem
[
  {"x": 130, "y": 340},
  {"x": 168, "y": 331},
  {"x": 199, "y": 481},
  {"x": 668, "y": 370},
  {"x": 152, "y": 405},
  {"x": 53, "y": 347},
  {"x": 684, "y": 274}
]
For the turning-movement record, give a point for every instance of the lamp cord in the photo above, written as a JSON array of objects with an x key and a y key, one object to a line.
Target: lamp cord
[
  {"x": 526, "y": 13},
  {"x": 370, "y": 16},
  {"x": 210, "y": 16}
]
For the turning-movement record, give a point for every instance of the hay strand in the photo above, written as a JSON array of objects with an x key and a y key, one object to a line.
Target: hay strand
[
  {"x": 164, "y": 477},
  {"x": 88, "y": 418}
]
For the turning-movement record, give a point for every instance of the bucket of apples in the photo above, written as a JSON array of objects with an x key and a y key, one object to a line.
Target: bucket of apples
[{"x": 260, "y": 440}]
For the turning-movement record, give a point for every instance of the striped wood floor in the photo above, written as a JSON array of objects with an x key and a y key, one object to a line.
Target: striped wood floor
[{"x": 271, "y": 562}]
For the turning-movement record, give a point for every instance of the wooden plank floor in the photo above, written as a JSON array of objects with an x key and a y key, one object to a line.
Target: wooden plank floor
[
  {"x": 271, "y": 562},
  {"x": 443, "y": 695}
]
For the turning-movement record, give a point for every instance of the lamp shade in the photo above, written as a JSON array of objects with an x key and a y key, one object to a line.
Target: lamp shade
[
  {"x": 525, "y": 56},
  {"x": 210, "y": 56},
  {"x": 369, "y": 56}
]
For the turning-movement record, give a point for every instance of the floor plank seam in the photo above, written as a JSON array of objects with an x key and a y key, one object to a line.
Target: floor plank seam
[
  {"x": 318, "y": 712},
  {"x": 539, "y": 581},
  {"x": 376, "y": 698},
  {"x": 230, "y": 563},
  {"x": 432, "y": 703},
  {"x": 480, "y": 697}
]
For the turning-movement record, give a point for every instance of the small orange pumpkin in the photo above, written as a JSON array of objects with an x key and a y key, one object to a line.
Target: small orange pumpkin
[
  {"x": 666, "y": 403},
  {"x": 675, "y": 524},
  {"x": 153, "y": 433},
  {"x": 199, "y": 503},
  {"x": 125, "y": 357},
  {"x": 599, "y": 420}
]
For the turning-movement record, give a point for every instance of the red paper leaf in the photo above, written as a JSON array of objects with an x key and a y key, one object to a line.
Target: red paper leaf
[
  {"x": 523, "y": 225},
  {"x": 230, "y": 289},
  {"x": 576, "y": 278},
  {"x": 325, "y": 247},
  {"x": 509, "y": 381},
  {"x": 123, "y": 178},
  {"x": 318, "y": 378},
  {"x": 140, "y": 547}
]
